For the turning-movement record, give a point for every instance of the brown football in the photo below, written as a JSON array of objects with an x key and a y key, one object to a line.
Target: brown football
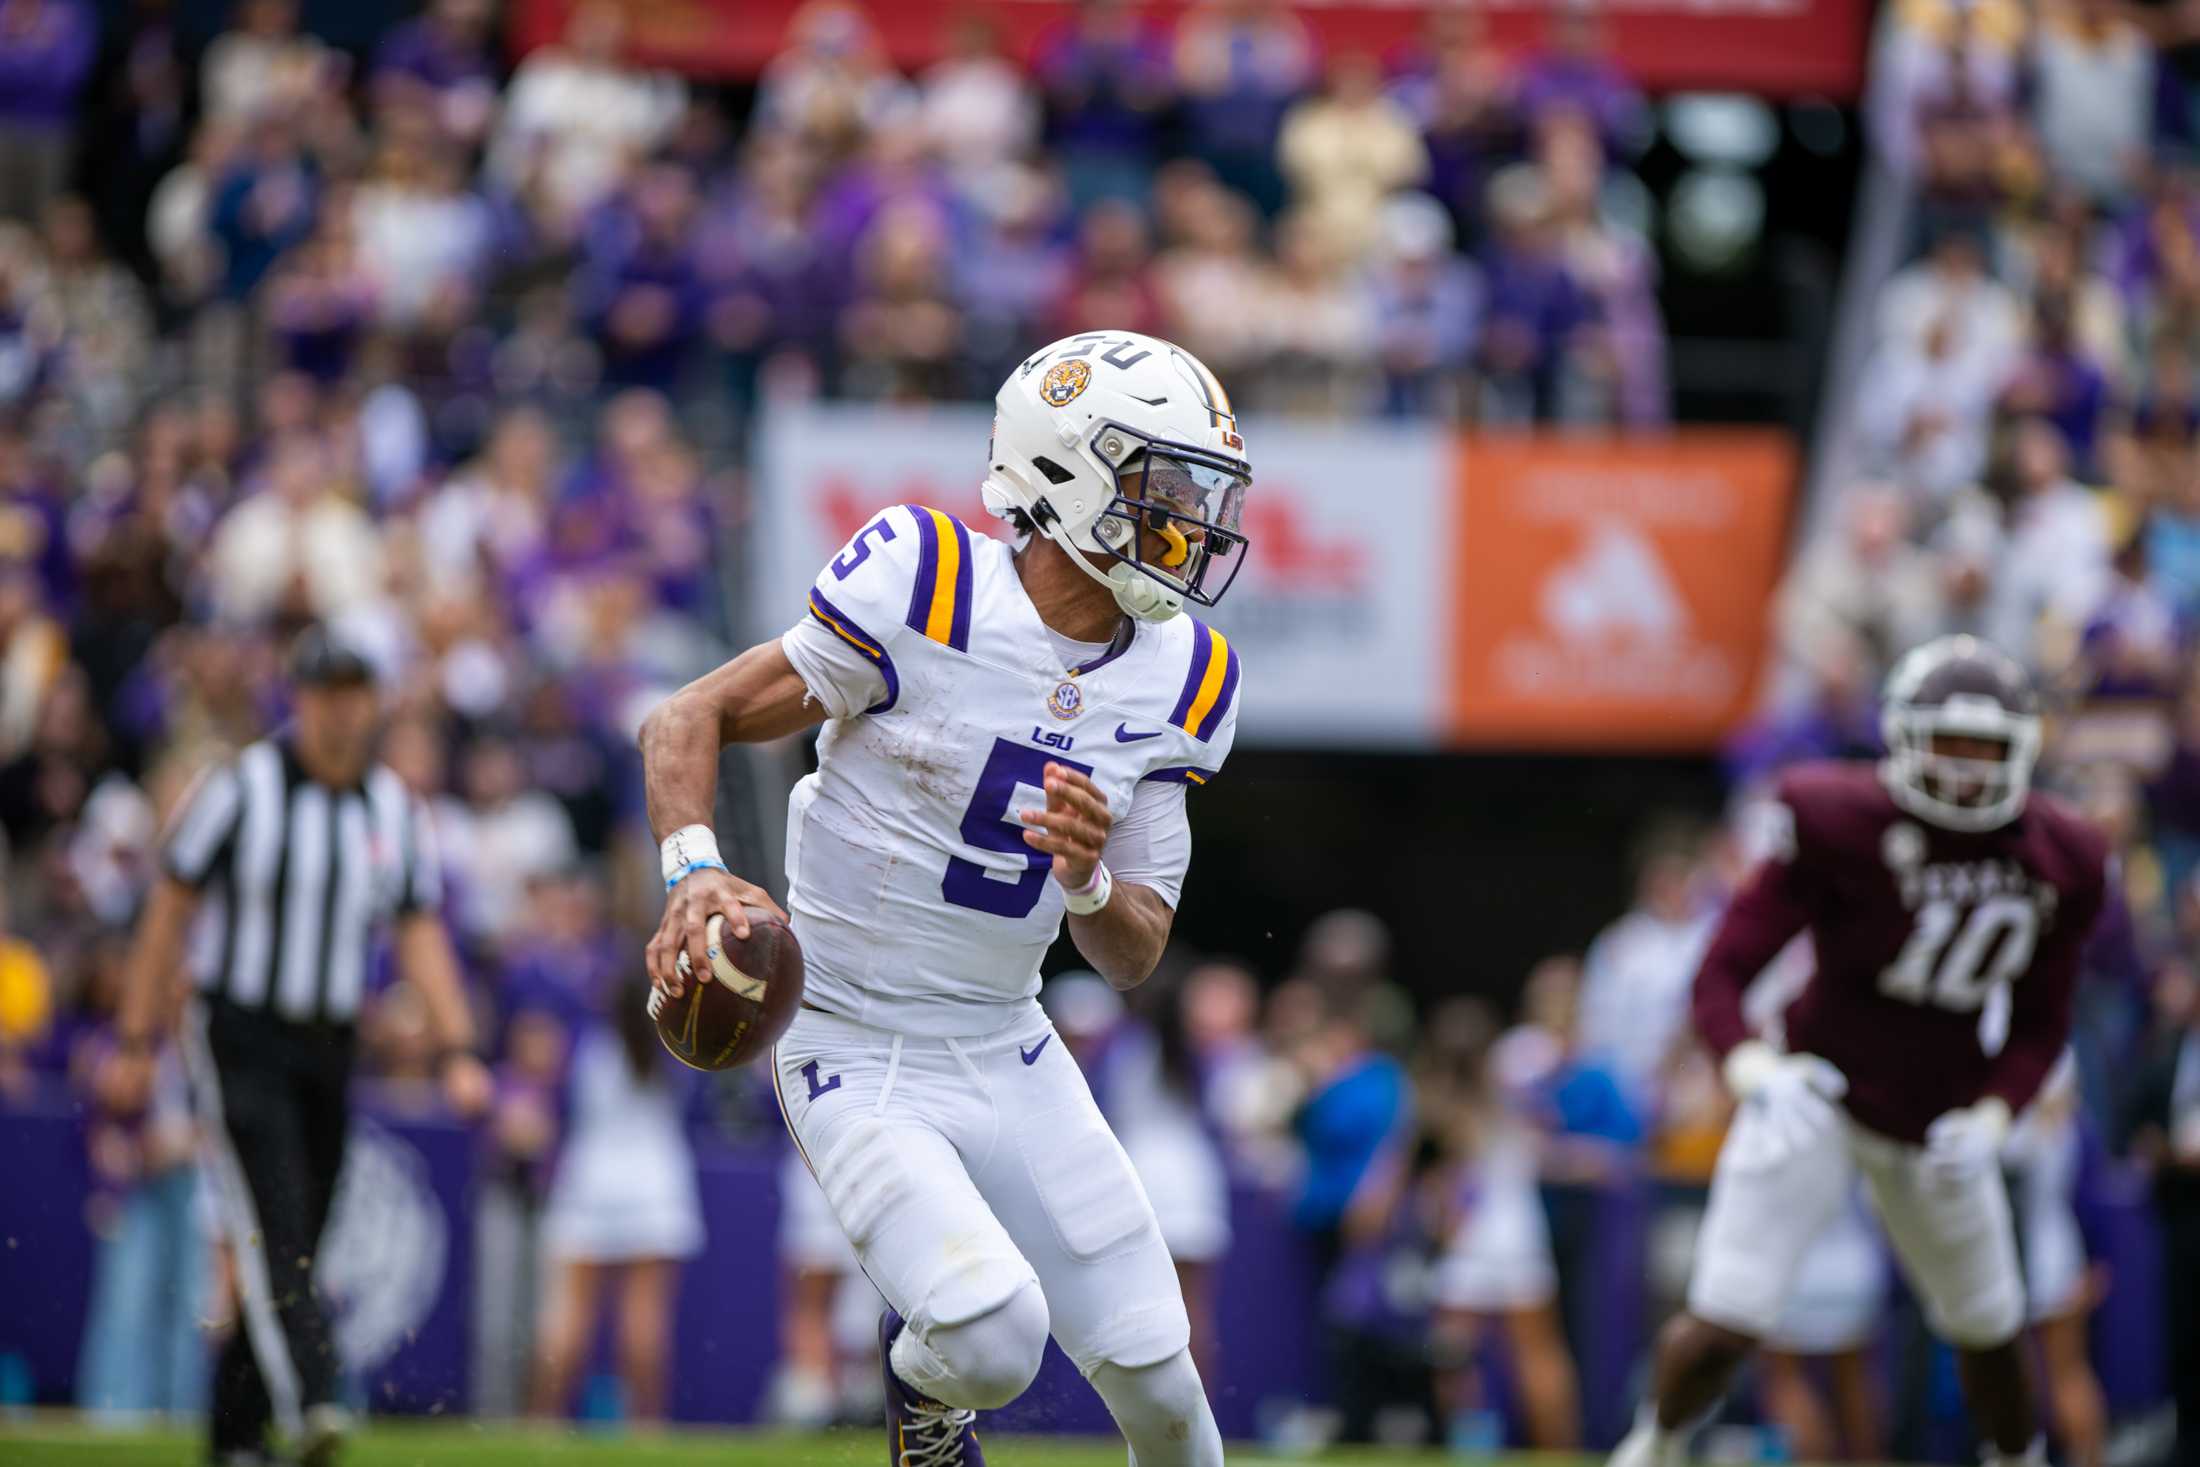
[{"x": 739, "y": 1009}]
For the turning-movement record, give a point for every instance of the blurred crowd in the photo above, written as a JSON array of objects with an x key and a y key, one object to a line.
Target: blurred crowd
[
  {"x": 273, "y": 352},
  {"x": 1442, "y": 231}
]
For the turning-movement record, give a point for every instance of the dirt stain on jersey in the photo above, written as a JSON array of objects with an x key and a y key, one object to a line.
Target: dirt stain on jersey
[{"x": 921, "y": 744}]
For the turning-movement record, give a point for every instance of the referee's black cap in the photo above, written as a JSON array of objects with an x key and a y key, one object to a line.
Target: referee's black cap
[{"x": 322, "y": 659}]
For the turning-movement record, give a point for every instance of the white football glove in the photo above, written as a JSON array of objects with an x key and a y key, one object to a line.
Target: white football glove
[
  {"x": 1966, "y": 1141},
  {"x": 1795, "y": 1093}
]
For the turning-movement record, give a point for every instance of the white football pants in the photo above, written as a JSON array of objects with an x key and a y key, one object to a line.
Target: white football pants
[
  {"x": 965, "y": 1171},
  {"x": 1955, "y": 1240}
]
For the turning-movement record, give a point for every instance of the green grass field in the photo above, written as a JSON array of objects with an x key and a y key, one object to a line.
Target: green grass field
[{"x": 58, "y": 1444}]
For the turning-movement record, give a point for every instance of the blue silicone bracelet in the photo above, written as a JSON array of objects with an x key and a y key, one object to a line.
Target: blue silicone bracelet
[{"x": 691, "y": 868}]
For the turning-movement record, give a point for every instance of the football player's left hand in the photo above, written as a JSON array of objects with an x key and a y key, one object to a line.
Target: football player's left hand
[
  {"x": 1966, "y": 1141},
  {"x": 1073, "y": 828}
]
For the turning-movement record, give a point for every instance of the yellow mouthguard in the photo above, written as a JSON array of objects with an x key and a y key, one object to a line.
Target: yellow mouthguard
[{"x": 1180, "y": 549}]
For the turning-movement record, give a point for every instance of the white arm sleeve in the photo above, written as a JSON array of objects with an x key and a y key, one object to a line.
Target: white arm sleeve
[
  {"x": 838, "y": 675},
  {"x": 1152, "y": 843}
]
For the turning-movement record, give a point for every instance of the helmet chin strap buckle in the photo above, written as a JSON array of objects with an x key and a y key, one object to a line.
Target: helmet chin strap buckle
[
  {"x": 1136, "y": 593},
  {"x": 1141, "y": 596}
]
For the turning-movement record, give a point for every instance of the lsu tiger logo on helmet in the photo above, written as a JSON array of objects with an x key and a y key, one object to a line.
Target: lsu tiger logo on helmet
[{"x": 1063, "y": 381}]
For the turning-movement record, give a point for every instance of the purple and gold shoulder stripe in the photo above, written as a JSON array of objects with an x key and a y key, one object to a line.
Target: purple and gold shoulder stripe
[
  {"x": 939, "y": 604},
  {"x": 1209, "y": 686},
  {"x": 843, "y": 626},
  {"x": 1181, "y": 774}
]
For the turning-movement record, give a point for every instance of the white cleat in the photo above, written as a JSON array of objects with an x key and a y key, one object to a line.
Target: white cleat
[
  {"x": 801, "y": 1400},
  {"x": 322, "y": 1439},
  {"x": 2034, "y": 1455},
  {"x": 1650, "y": 1445}
]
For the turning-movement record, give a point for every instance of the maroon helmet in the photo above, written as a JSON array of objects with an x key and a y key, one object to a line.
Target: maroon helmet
[{"x": 1959, "y": 687}]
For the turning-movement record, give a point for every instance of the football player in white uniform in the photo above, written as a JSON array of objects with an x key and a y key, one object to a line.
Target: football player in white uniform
[{"x": 1009, "y": 736}]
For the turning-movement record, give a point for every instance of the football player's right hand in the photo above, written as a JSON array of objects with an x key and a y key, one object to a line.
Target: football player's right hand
[
  {"x": 685, "y": 927},
  {"x": 1797, "y": 1094}
]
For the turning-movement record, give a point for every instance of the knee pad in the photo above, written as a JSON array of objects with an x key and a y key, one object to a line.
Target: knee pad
[
  {"x": 1986, "y": 1322},
  {"x": 881, "y": 1187},
  {"x": 978, "y": 1363},
  {"x": 1979, "y": 1306}
]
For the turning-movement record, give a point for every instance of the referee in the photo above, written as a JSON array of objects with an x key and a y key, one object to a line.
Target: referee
[{"x": 299, "y": 851}]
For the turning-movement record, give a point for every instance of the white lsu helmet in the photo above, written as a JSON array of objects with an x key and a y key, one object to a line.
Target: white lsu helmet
[{"x": 1082, "y": 416}]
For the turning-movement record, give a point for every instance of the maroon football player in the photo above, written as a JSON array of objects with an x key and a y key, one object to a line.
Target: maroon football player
[{"x": 1947, "y": 904}]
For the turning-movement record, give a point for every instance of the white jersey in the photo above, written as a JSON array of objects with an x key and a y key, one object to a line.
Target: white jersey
[{"x": 917, "y": 902}]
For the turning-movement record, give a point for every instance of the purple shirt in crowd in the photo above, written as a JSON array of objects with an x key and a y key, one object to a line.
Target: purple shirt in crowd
[
  {"x": 1535, "y": 290},
  {"x": 420, "y": 50},
  {"x": 1103, "y": 91},
  {"x": 1589, "y": 85},
  {"x": 46, "y": 49}
]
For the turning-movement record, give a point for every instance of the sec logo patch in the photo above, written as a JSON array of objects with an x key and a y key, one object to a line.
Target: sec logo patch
[
  {"x": 1068, "y": 700},
  {"x": 1064, "y": 381}
]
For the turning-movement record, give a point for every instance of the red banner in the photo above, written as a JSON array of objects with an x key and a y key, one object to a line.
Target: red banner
[{"x": 1774, "y": 48}]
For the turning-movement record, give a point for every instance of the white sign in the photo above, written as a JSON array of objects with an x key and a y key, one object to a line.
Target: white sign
[{"x": 1341, "y": 616}]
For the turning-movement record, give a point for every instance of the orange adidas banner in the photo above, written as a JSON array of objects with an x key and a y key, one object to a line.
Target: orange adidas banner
[{"x": 1613, "y": 593}]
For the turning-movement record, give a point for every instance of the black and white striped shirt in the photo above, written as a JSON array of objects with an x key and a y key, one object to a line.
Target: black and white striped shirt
[{"x": 299, "y": 877}]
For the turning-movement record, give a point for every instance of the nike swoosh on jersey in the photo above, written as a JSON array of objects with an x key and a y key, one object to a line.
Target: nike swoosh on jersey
[
  {"x": 1123, "y": 734},
  {"x": 1032, "y": 1054}
]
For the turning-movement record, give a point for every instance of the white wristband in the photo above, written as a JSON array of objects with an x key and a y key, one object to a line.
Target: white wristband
[
  {"x": 1993, "y": 1114},
  {"x": 1748, "y": 1065},
  {"x": 1095, "y": 894},
  {"x": 687, "y": 846}
]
